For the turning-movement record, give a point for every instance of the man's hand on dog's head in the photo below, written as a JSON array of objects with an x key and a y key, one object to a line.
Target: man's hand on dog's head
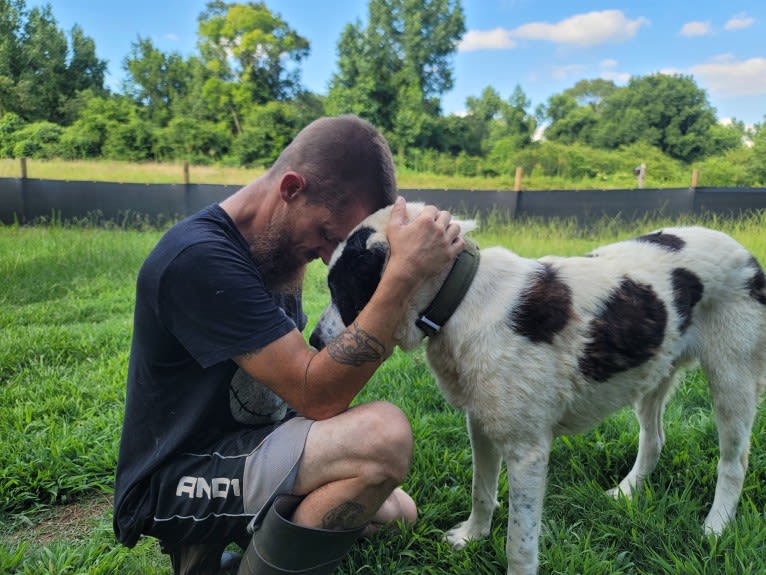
[{"x": 422, "y": 247}]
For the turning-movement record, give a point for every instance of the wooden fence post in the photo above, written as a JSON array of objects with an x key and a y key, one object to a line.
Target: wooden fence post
[
  {"x": 517, "y": 179},
  {"x": 640, "y": 173},
  {"x": 23, "y": 166},
  {"x": 695, "y": 178},
  {"x": 186, "y": 172}
]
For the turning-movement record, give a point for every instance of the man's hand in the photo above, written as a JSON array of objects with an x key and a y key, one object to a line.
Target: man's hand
[{"x": 422, "y": 247}]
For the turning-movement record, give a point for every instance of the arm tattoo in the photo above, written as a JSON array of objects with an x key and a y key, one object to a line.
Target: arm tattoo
[
  {"x": 345, "y": 516},
  {"x": 354, "y": 346}
]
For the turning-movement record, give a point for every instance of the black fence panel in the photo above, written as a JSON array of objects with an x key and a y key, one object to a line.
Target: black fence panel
[
  {"x": 202, "y": 195},
  {"x": 105, "y": 200},
  {"x": 11, "y": 200},
  {"x": 729, "y": 201},
  {"x": 586, "y": 206},
  {"x": 469, "y": 203},
  {"x": 32, "y": 200}
]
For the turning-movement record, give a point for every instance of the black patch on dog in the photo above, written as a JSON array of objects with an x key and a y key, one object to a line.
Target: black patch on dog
[
  {"x": 544, "y": 308},
  {"x": 670, "y": 242},
  {"x": 687, "y": 291},
  {"x": 355, "y": 274},
  {"x": 757, "y": 283},
  {"x": 628, "y": 332}
]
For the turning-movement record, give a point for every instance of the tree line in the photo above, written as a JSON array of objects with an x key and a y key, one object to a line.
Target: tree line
[{"x": 239, "y": 100}]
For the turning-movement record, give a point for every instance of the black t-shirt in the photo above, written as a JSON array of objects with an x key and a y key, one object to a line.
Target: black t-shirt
[{"x": 200, "y": 301}]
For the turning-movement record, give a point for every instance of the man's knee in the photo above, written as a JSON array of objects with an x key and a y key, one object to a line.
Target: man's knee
[{"x": 388, "y": 439}]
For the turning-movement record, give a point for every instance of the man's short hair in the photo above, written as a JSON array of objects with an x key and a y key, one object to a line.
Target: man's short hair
[{"x": 345, "y": 160}]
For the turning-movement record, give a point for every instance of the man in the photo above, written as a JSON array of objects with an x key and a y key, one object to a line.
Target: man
[{"x": 221, "y": 292}]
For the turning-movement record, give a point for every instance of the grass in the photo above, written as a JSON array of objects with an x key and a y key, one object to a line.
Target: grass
[
  {"x": 65, "y": 322},
  {"x": 172, "y": 173}
]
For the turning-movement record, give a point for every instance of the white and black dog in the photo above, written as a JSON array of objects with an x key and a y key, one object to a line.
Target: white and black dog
[{"x": 540, "y": 348}]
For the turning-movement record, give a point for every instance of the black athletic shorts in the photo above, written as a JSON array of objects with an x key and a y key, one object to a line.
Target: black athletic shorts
[{"x": 219, "y": 494}]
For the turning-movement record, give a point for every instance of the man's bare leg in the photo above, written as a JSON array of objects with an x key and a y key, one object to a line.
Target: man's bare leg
[{"x": 352, "y": 467}]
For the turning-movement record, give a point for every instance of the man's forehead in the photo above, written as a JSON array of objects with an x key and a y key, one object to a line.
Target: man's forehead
[{"x": 348, "y": 219}]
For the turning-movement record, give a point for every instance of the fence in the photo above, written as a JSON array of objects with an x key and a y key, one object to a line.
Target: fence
[{"x": 27, "y": 200}]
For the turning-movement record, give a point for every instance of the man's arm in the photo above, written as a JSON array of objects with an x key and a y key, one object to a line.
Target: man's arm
[{"x": 322, "y": 384}]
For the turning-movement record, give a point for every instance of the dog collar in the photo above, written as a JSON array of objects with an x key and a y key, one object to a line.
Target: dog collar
[{"x": 452, "y": 291}]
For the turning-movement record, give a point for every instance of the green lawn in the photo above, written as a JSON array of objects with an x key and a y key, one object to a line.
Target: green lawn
[{"x": 65, "y": 320}]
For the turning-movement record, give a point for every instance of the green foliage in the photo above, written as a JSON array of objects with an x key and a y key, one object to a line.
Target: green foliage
[
  {"x": 40, "y": 70},
  {"x": 248, "y": 43},
  {"x": 757, "y": 162},
  {"x": 10, "y": 123},
  {"x": 238, "y": 100},
  {"x": 65, "y": 322},
  {"x": 185, "y": 138},
  {"x": 389, "y": 71},
  {"x": 668, "y": 112},
  {"x": 268, "y": 129},
  {"x": 36, "y": 140}
]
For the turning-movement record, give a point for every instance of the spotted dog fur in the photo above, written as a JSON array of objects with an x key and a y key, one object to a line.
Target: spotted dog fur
[{"x": 541, "y": 348}]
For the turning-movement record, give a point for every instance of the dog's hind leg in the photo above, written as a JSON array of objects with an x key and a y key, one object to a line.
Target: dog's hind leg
[
  {"x": 735, "y": 400},
  {"x": 486, "y": 469},
  {"x": 649, "y": 410}
]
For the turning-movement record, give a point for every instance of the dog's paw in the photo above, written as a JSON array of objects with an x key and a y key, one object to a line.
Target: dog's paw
[
  {"x": 619, "y": 492},
  {"x": 462, "y": 533}
]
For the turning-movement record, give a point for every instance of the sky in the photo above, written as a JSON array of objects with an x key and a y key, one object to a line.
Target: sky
[{"x": 545, "y": 46}]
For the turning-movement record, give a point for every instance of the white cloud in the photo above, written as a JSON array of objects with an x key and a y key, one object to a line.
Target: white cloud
[
  {"x": 727, "y": 76},
  {"x": 738, "y": 22},
  {"x": 695, "y": 28},
  {"x": 616, "y": 77},
  {"x": 587, "y": 29},
  {"x": 609, "y": 63},
  {"x": 497, "y": 39},
  {"x": 171, "y": 37},
  {"x": 562, "y": 72}
]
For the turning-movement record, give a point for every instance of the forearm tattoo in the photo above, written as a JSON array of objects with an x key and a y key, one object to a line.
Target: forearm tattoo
[
  {"x": 354, "y": 346},
  {"x": 345, "y": 516}
]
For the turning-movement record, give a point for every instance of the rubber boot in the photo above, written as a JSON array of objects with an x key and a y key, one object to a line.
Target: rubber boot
[
  {"x": 202, "y": 560},
  {"x": 281, "y": 546}
]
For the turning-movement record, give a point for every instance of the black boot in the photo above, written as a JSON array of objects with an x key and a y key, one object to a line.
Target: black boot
[
  {"x": 280, "y": 546},
  {"x": 202, "y": 560}
]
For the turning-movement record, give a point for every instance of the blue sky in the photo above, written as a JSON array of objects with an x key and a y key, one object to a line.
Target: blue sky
[{"x": 545, "y": 46}]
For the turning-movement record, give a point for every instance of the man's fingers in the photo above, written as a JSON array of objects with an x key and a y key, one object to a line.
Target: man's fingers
[{"x": 399, "y": 211}]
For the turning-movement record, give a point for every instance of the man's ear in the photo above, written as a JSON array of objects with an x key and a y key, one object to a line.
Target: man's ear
[{"x": 290, "y": 186}]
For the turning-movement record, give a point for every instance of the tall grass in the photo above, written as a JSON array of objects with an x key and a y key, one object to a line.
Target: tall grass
[
  {"x": 65, "y": 322},
  {"x": 172, "y": 173}
]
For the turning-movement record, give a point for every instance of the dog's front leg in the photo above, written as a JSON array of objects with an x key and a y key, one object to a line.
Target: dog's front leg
[
  {"x": 486, "y": 469},
  {"x": 527, "y": 474}
]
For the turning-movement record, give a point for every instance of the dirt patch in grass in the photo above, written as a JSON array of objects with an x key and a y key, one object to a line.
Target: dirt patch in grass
[{"x": 71, "y": 522}]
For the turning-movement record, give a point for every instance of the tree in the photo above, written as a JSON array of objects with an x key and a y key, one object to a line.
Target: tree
[
  {"x": 156, "y": 80},
  {"x": 575, "y": 113},
  {"x": 11, "y": 16},
  {"x": 669, "y": 112},
  {"x": 40, "y": 84},
  {"x": 250, "y": 45},
  {"x": 39, "y": 71},
  {"x": 402, "y": 58}
]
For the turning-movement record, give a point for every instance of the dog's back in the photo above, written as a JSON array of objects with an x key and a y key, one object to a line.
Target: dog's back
[{"x": 613, "y": 322}]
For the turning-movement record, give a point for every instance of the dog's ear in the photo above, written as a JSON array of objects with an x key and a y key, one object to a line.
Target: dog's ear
[
  {"x": 356, "y": 273},
  {"x": 466, "y": 226}
]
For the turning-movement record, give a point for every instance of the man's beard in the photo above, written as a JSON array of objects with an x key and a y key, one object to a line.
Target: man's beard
[{"x": 280, "y": 266}]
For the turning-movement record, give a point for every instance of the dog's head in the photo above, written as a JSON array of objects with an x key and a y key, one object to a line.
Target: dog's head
[{"x": 355, "y": 270}]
